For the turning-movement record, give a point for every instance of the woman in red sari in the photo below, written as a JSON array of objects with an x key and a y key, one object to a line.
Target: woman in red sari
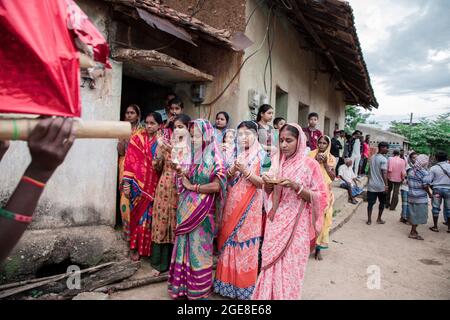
[
  {"x": 132, "y": 115},
  {"x": 139, "y": 184}
]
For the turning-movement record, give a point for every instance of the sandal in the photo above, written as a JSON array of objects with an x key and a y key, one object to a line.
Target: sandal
[
  {"x": 368, "y": 223},
  {"x": 434, "y": 229},
  {"x": 381, "y": 222},
  {"x": 415, "y": 237}
]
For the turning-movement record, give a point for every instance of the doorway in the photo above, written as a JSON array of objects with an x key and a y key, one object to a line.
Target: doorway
[
  {"x": 281, "y": 103},
  {"x": 303, "y": 111},
  {"x": 327, "y": 126},
  {"x": 150, "y": 97}
]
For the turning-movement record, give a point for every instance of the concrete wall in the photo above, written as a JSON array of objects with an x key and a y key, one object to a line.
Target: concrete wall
[{"x": 292, "y": 72}]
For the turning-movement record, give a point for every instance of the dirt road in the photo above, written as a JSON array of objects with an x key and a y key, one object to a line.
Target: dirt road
[
  {"x": 366, "y": 262},
  {"x": 408, "y": 269}
]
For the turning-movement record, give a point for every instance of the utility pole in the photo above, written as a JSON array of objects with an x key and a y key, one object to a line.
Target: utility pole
[{"x": 410, "y": 120}]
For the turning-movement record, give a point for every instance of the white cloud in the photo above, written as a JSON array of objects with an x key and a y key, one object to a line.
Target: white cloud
[
  {"x": 438, "y": 55},
  {"x": 375, "y": 20},
  {"x": 383, "y": 26},
  {"x": 400, "y": 107}
]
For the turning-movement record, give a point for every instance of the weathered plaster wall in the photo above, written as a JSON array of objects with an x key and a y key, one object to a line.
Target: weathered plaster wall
[{"x": 292, "y": 71}]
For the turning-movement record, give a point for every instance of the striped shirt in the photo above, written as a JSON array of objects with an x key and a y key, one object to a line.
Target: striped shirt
[{"x": 416, "y": 184}]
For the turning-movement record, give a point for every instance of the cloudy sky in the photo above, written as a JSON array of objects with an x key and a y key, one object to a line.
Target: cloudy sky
[{"x": 406, "y": 45}]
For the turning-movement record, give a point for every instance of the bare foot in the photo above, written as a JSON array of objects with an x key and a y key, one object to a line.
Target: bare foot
[
  {"x": 135, "y": 256},
  {"x": 155, "y": 273}
]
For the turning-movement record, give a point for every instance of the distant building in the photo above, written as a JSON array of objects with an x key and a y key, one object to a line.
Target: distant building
[{"x": 377, "y": 135}]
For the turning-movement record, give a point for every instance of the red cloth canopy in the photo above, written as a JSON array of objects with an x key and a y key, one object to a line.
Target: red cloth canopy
[{"x": 39, "y": 62}]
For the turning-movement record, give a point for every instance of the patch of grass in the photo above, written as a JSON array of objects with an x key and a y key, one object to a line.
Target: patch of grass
[
  {"x": 335, "y": 212},
  {"x": 11, "y": 266}
]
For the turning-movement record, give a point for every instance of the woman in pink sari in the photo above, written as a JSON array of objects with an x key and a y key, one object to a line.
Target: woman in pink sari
[{"x": 299, "y": 199}]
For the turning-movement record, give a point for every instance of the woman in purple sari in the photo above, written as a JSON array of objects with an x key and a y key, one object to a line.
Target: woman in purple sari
[{"x": 202, "y": 187}]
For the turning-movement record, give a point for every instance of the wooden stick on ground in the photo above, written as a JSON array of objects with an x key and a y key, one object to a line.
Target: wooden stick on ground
[
  {"x": 35, "y": 283},
  {"x": 125, "y": 285}
]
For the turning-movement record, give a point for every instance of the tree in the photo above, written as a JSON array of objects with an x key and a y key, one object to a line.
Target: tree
[
  {"x": 353, "y": 116},
  {"x": 426, "y": 136}
]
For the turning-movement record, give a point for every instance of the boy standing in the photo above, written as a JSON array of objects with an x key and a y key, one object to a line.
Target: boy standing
[{"x": 312, "y": 133}]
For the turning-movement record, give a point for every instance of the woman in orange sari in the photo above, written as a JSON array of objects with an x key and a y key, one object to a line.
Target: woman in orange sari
[
  {"x": 240, "y": 229},
  {"x": 139, "y": 184},
  {"x": 296, "y": 217},
  {"x": 132, "y": 115}
]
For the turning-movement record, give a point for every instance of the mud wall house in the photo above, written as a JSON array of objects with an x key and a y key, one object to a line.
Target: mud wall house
[{"x": 299, "y": 56}]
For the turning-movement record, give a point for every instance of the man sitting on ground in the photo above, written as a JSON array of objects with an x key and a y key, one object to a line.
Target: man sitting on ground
[{"x": 349, "y": 181}]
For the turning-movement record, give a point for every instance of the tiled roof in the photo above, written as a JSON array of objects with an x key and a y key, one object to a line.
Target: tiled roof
[{"x": 329, "y": 26}]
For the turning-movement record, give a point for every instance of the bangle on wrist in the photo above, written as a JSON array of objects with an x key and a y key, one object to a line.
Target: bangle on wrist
[
  {"x": 248, "y": 175},
  {"x": 34, "y": 182},
  {"x": 14, "y": 216}
]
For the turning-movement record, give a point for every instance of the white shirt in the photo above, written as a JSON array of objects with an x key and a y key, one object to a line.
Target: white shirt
[
  {"x": 347, "y": 173},
  {"x": 356, "y": 148}
]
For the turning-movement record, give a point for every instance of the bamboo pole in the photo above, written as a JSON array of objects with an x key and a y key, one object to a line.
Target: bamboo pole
[{"x": 20, "y": 129}]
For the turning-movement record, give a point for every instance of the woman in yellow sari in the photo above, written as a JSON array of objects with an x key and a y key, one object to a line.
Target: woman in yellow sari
[
  {"x": 327, "y": 164},
  {"x": 132, "y": 115}
]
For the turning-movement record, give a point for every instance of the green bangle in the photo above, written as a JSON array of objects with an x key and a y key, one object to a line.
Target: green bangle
[
  {"x": 16, "y": 134},
  {"x": 16, "y": 217}
]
